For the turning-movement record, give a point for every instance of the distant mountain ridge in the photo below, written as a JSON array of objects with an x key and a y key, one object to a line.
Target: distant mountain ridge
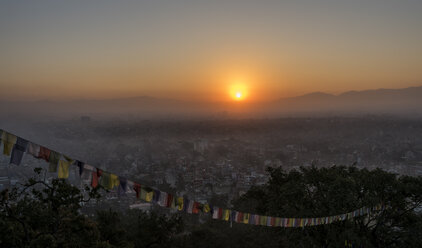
[
  {"x": 403, "y": 100},
  {"x": 378, "y": 101},
  {"x": 410, "y": 91}
]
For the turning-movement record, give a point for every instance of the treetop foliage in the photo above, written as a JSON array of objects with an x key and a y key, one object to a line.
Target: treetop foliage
[{"x": 40, "y": 214}]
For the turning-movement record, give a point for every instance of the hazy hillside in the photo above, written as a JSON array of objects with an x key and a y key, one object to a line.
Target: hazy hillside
[
  {"x": 405, "y": 101},
  {"x": 389, "y": 101}
]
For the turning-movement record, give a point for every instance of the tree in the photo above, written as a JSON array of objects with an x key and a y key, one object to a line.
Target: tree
[
  {"x": 46, "y": 215},
  {"x": 313, "y": 192},
  {"x": 111, "y": 228},
  {"x": 153, "y": 230},
  {"x": 136, "y": 228}
]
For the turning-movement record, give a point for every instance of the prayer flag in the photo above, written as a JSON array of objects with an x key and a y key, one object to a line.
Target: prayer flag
[
  {"x": 195, "y": 208},
  {"x": 263, "y": 220},
  {"x": 233, "y": 215},
  {"x": 246, "y": 218},
  {"x": 163, "y": 199},
  {"x": 137, "y": 189},
  {"x": 277, "y": 221},
  {"x": 256, "y": 221},
  {"x": 297, "y": 222},
  {"x": 109, "y": 180},
  {"x": 114, "y": 180},
  {"x": 86, "y": 176},
  {"x": 169, "y": 200},
  {"x": 94, "y": 182},
  {"x": 186, "y": 203},
  {"x": 9, "y": 140},
  {"x": 143, "y": 193},
  {"x": 156, "y": 197},
  {"x": 226, "y": 214},
  {"x": 179, "y": 203},
  {"x": 63, "y": 169},
  {"x": 44, "y": 153},
  {"x": 220, "y": 213},
  {"x": 251, "y": 219},
  {"x": 121, "y": 190},
  {"x": 239, "y": 217},
  {"x": 105, "y": 180},
  {"x": 215, "y": 213},
  {"x": 207, "y": 208},
  {"x": 130, "y": 186},
  {"x": 269, "y": 220},
  {"x": 33, "y": 149},
  {"x": 18, "y": 150},
  {"x": 149, "y": 196},
  {"x": 54, "y": 160},
  {"x": 80, "y": 166}
]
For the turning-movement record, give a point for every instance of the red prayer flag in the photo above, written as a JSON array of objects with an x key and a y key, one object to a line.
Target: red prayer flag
[
  {"x": 195, "y": 208},
  {"x": 44, "y": 153},
  {"x": 94, "y": 182},
  {"x": 137, "y": 188},
  {"x": 169, "y": 200},
  {"x": 239, "y": 217},
  {"x": 220, "y": 213}
]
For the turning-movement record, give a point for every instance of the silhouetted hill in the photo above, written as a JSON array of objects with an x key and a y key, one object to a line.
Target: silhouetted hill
[
  {"x": 405, "y": 101},
  {"x": 389, "y": 101}
]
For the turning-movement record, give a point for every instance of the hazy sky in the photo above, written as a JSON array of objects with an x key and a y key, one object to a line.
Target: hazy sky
[{"x": 198, "y": 49}]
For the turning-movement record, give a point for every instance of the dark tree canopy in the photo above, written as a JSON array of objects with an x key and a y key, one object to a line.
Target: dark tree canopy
[
  {"x": 49, "y": 215},
  {"x": 313, "y": 192},
  {"x": 46, "y": 215},
  {"x": 38, "y": 214}
]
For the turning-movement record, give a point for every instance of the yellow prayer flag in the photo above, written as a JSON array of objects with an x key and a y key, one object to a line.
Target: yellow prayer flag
[
  {"x": 226, "y": 214},
  {"x": 9, "y": 140},
  {"x": 114, "y": 179},
  {"x": 180, "y": 203},
  {"x": 63, "y": 169},
  {"x": 207, "y": 208},
  {"x": 149, "y": 196},
  {"x": 246, "y": 218},
  {"x": 109, "y": 181}
]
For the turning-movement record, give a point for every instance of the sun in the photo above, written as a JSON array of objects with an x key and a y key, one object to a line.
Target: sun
[{"x": 238, "y": 92}]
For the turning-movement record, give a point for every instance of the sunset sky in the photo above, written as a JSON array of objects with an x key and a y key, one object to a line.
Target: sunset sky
[{"x": 200, "y": 50}]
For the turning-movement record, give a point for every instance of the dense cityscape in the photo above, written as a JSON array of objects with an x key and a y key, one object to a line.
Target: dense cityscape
[{"x": 217, "y": 161}]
